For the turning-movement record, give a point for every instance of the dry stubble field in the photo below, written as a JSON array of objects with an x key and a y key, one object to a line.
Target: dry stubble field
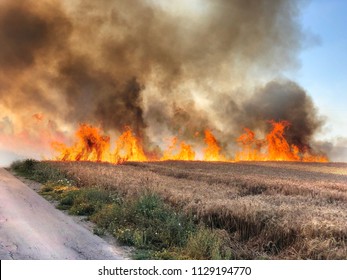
[{"x": 269, "y": 210}]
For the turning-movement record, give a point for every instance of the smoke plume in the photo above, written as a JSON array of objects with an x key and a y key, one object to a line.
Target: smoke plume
[
  {"x": 159, "y": 67},
  {"x": 282, "y": 100}
]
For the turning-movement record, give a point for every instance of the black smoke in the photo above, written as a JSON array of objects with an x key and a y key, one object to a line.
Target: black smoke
[{"x": 283, "y": 100}]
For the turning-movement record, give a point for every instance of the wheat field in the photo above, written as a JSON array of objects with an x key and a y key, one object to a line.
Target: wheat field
[{"x": 276, "y": 210}]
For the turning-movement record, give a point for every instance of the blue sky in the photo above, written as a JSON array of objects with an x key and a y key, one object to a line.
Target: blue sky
[{"x": 323, "y": 71}]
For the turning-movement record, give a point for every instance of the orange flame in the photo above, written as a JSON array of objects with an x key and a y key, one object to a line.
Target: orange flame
[
  {"x": 278, "y": 147},
  {"x": 91, "y": 145},
  {"x": 212, "y": 151},
  {"x": 128, "y": 148},
  {"x": 274, "y": 148},
  {"x": 178, "y": 151},
  {"x": 250, "y": 146}
]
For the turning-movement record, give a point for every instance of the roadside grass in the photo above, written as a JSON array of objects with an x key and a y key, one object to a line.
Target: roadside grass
[
  {"x": 145, "y": 221},
  {"x": 41, "y": 172}
]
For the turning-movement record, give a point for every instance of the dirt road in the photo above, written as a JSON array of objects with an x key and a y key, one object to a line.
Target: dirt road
[{"x": 31, "y": 228}]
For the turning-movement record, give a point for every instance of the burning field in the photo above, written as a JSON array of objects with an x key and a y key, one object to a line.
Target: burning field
[
  {"x": 91, "y": 145},
  {"x": 187, "y": 98},
  {"x": 268, "y": 209}
]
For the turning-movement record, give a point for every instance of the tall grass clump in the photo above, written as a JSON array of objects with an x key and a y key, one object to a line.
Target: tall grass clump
[
  {"x": 146, "y": 222},
  {"x": 86, "y": 201},
  {"x": 206, "y": 244}
]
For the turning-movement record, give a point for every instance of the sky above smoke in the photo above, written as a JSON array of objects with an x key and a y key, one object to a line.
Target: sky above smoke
[{"x": 162, "y": 69}]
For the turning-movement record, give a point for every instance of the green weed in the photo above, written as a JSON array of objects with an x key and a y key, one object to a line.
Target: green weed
[{"x": 207, "y": 244}]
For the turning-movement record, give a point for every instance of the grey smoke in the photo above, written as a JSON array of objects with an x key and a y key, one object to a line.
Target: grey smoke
[{"x": 118, "y": 63}]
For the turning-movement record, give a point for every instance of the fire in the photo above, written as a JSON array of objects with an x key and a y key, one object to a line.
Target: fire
[
  {"x": 129, "y": 148},
  {"x": 212, "y": 151},
  {"x": 278, "y": 147},
  {"x": 250, "y": 147},
  {"x": 179, "y": 151},
  {"x": 274, "y": 147},
  {"x": 92, "y": 145}
]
